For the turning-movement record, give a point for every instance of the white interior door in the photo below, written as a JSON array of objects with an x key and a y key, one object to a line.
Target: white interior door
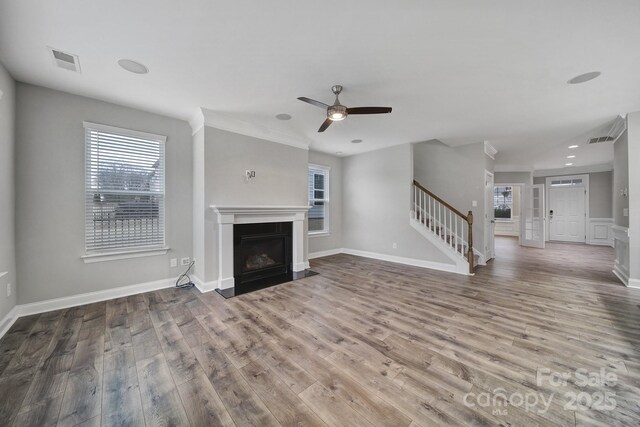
[
  {"x": 489, "y": 217},
  {"x": 567, "y": 212},
  {"x": 532, "y": 220}
]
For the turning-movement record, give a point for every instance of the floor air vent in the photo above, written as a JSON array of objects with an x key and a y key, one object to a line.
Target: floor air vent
[{"x": 68, "y": 61}]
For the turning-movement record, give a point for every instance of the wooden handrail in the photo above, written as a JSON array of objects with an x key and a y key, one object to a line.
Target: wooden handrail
[
  {"x": 454, "y": 210},
  {"x": 468, "y": 218}
]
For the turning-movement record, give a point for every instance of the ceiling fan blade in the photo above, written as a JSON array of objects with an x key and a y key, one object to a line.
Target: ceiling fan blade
[
  {"x": 325, "y": 125},
  {"x": 313, "y": 102},
  {"x": 368, "y": 110}
]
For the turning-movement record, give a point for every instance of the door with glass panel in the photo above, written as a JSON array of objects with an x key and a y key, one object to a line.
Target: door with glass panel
[{"x": 532, "y": 232}]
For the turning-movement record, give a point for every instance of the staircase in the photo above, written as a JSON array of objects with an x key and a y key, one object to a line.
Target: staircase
[{"x": 445, "y": 226}]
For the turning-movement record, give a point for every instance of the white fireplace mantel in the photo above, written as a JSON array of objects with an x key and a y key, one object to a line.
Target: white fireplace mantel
[{"x": 227, "y": 216}]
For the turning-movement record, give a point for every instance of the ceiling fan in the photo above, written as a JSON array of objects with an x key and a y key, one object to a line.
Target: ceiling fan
[{"x": 337, "y": 111}]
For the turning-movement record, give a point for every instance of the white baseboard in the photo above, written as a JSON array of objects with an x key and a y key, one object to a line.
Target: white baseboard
[
  {"x": 620, "y": 275},
  {"x": 82, "y": 299},
  {"x": 451, "y": 268},
  {"x": 329, "y": 252},
  {"x": 440, "y": 266},
  {"x": 204, "y": 286},
  {"x": 8, "y": 320},
  {"x": 634, "y": 283}
]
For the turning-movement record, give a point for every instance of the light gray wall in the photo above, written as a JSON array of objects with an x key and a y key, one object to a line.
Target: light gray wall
[
  {"x": 7, "y": 193},
  {"x": 600, "y": 189},
  {"x": 281, "y": 179},
  {"x": 512, "y": 178},
  {"x": 199, "y": 209},
  {"x": 621, "y": 179},
  {"x": 50, "y": 182},
  {"x": 457, "y": 176},
  {"x": 334, "y": 239},
  {"x": 376, "y": 204},
  {"x": 600, "y": 194}
]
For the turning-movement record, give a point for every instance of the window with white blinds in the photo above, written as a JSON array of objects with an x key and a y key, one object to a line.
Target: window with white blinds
[
  {"x": 318, "y": 187},
  {"x": 124, "y": 189}
]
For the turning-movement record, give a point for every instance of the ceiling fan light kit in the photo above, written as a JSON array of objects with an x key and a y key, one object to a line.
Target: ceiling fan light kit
[{"x": 338, "y": 112}]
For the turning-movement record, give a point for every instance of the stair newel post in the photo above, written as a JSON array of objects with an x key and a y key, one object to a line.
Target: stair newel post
[{"x": 470, "y": 249}]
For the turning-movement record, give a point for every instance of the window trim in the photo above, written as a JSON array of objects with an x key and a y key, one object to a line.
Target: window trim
[
  {"x": 116, "y": 255},
  {"x": 127, "y": 252},
  {"x": 327, "y": 200}
]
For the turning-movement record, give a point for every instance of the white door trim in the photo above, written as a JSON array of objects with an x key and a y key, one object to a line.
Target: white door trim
[
  {"x": 489, "y": 231},
  {"x": 585, "y": 184}
]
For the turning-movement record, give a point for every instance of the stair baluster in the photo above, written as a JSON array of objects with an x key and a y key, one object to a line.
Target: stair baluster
[{"x": 445, "y": 221}]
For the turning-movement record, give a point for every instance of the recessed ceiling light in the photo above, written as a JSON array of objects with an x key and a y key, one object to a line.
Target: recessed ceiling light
[
  {"x": 573, "y": 146},
  {"x": 571, "y": 157},
  {"x": 582, "y": 78},
  {"x": 133, "y": 66},
  {"x": 568, "y": 164},
  {"x": 283, "y": 116},
  {"x": 338, "y": 152},
  {"x": 356, "y": 141}
]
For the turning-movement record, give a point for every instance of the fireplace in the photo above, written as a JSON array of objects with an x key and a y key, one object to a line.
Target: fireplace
[
  {"x": 261, "y": 253},
  {"x": 277, "y": 236}
]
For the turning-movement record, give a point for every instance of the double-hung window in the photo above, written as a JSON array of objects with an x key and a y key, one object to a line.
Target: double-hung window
[
  {"x": 503, "y": 201},
  {"x": 318, "y": 185},
  {"x": 124, "y": 190}
]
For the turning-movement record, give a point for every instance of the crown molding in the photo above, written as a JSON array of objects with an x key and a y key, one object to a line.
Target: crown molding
[
  {"x": 232, "y": 123},
  {"x": 196, "y": 122}
]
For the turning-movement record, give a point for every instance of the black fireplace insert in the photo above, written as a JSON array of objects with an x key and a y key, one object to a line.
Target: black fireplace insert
[{"x": 261, "y": 254}]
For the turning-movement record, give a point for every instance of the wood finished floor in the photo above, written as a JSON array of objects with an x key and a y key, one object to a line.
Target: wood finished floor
[{"x": 364, "y": 343}]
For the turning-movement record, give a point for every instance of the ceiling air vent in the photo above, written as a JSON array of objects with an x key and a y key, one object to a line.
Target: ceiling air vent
[
  {"x": 600, "y": 139},
  {"x": 65, "y": 60},
  {"x": 617, "y": 127}
]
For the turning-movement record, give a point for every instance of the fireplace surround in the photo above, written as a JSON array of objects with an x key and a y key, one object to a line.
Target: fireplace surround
[{"x": 229, "y": 216}]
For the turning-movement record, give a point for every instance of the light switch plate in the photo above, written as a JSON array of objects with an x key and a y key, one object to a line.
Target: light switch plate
[
  {"x": 474, "y": 203},
  {"x": 625, "y": 212}
]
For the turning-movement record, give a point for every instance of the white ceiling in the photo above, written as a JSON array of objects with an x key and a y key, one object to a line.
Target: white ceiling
[{"x": 458, "y": 71}]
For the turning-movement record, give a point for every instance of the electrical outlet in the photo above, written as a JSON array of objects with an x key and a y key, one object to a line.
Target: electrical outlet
[
  {"x": 185, "y": 261},
  {"x": 394, "y": 245},
  {"x": 173, "y": 262},
  {"x": 9, "y": 290},
  {"x": 625, "y": 212},
  {"x": 474, "y": 203}
]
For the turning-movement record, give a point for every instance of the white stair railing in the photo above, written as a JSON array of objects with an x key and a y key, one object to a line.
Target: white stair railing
[{"x": 454, "y": 228}]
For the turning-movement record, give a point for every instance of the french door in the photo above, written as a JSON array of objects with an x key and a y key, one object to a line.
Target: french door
[{"x": 532, "y": 221}]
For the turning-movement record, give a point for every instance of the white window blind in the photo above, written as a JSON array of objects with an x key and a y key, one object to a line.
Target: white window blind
[
  {"x": 318, "y": 185},
  {"x": 124, "y": 189}
]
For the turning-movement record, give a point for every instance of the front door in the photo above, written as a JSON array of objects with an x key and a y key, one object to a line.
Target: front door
[
  {"x": 532, "y": 216},
  {"x": 567, "y": 214}
]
